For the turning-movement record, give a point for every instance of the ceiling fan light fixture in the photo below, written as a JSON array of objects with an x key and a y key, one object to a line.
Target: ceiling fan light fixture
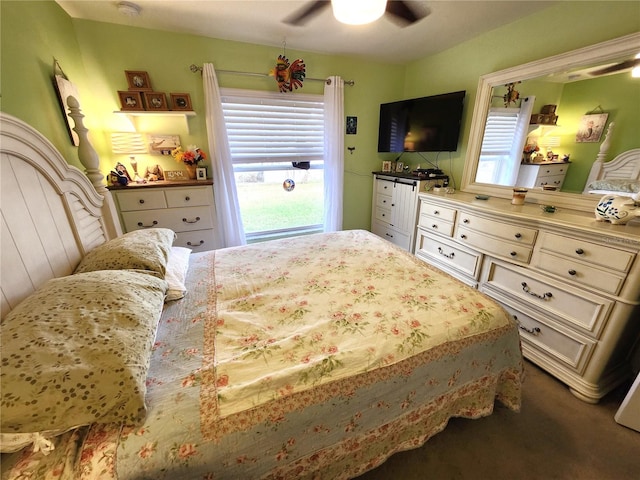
[
  {"x": 358, "y": 12},
  {"x": 635, "y": 71},
  {"x": 129, "y": 9}
]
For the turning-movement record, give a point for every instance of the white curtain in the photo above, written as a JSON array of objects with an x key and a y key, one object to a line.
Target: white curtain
[
  {"x": 333, "y": 153},
  {"x": 228, "y": 218}
]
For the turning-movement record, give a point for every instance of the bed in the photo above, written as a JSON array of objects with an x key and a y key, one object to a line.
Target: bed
[
  {"x": 620, "y": 176},
  {"x": 311, "y": 357}
]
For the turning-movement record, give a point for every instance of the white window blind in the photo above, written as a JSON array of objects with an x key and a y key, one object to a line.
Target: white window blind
[
  {"x": 500, "y": 131},
  {"x": 269, "y": 127}
]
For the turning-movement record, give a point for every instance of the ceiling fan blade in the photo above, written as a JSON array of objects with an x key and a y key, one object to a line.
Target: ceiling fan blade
[
  {"x": 306, "y": 13},
  {"x": 626, "y": 65},
  {"x": 403, "y": 14}
]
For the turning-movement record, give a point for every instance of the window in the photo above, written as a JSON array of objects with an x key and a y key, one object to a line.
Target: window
[
  {"x": 268, "y": 134},
  {"x": 504, "y": 136}
]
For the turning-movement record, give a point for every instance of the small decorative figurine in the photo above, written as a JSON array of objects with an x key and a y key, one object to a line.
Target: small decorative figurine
[{"x": 617, "y": 209}]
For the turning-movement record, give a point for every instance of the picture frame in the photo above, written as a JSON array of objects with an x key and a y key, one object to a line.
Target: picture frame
[
  {"x": 386, "y": 166},
  {"x": 181, "y": 101},
  {"x": 155, "y": 101},
  {"x": 64, "y": 88},
  {"x": 352, "y": 125},
  {"x": 131, "y": 101},
  {"x": 399, "y": 167},
  {"x": 138, "y": 80},
  {"x": 591, "y": 127},
  {"x": 162, "y": 144},
  {"x": 201, "y": 173}
]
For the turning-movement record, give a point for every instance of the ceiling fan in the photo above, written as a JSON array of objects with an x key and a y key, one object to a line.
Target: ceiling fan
[
  {"x": 618, "y": 67},
  {"x": 397, "y": 10}
]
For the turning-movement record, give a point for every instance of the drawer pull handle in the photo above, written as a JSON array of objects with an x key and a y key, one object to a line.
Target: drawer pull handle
[
  {"x": 533, "y": 331},
  {"x": 197, "y": 219},
  {"x": 389, "y": 235},
  {"x": 448, "y": 255},
  {"x": 463, "y": 236},
  {"x": 393, "y": 204},
  {"x": 194, "y": 245},
  {"x": 436, "y": 212},
  {"x": 572, "y": 272},
  {"x": 187, "y": 198},
  {"x": 466, "y": 220},
  {"x": 141, "y": 201},
  {"x": 518, "y": 235},
  {"x": 153, "y": 224},
  {"x": 434, "y": 226},
  {"x": 513, "y": 254},
  {"x": 579, "y": 251},
  {"x": 544, "y": 296}
]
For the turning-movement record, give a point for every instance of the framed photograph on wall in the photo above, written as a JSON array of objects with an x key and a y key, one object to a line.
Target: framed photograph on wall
[
  {"x": 181, "y": 101},
  {"x": 155, "y": 101},
  {"x": 64, "y": 89},
  {"x": 138, "y": 80},
  {"x": 201, "y": 173},
  {"x": 131, "y": 101},
  {"x": 352, "y": 125}
]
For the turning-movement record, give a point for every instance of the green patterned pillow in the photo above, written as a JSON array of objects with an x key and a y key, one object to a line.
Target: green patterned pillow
[
  {"x": 616, "y": 185},
  {"x": 146, "y": 249},
  {"x": 77, "y": 351}
]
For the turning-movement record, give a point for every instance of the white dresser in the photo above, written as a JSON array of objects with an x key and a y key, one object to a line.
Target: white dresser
[
  {"x": 542, "y": 174},
  {"x": 572, "y": 283},
  {"x": 394, "y": 208},
  {"x": 186, "y": 208}
]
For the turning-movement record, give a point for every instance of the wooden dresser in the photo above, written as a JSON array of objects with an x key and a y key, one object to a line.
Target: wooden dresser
[
  {"x": 542, "y": 174},
  {"x": 572, "y": 283},
  {"x": 187, "y": 208}
]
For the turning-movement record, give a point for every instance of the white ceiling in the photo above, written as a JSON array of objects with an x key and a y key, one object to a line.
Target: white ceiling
[{"x": 448, "y": 23}]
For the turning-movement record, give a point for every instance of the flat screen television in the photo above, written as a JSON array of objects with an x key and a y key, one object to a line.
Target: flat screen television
[{"x": 426, "y": 124}]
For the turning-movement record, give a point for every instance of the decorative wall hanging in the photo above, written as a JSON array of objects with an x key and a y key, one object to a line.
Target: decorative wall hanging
[
  {"x": 131, "y": 101},
  {"x": 155, "y": 101},
  {"x": 591, "y": 127},
  {"x": 180, "y": 101},
  {"x": 162, "y": 144},
  {"x": 64, "y": 88},
  {"x": 512, "y": 94},
  {"x": 352, "y": 125},
  {"x": 288, "y": 75}
]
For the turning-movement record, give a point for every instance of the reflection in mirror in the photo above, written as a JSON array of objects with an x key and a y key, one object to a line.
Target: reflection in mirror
[{"x": 541, "y": 124}]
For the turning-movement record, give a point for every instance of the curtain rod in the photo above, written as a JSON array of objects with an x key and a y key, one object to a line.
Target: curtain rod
[{"x": 194, "y": 68}]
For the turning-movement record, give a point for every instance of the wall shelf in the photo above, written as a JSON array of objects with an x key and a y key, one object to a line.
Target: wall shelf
[{"x": 134, "y": 115}]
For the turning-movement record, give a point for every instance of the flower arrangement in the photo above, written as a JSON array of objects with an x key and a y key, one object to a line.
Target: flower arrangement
[
  {"x": 531, "y": 148},
  {"x": 191, "y": 156}
]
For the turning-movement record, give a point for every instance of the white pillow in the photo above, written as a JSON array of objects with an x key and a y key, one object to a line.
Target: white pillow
[{"x": 177, "y": 267}]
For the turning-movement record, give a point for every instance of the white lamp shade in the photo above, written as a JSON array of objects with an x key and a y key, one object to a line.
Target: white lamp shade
[{"x": 358, "y": 12}]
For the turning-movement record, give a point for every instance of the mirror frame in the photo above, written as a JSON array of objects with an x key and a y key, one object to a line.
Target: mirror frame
[{"x": 593, "y": 54}]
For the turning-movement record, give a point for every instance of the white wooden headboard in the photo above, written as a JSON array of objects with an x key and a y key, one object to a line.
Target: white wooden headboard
[
  {"x": 624, "y": 166},
  {"x": 51, "y": 212}
]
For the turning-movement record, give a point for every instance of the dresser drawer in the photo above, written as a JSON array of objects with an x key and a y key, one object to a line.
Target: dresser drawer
[
  {"x": 436, "y": 225},
  {"x": 383, "y": 215},
  {"x": 188, "y": 197},
  {"x": 437, "y": 211},
  {"x": 579, "y": 309},
  {"x": 603, "y": 255},
  {"x": 552, "y": 340},
  {"x": 395, "y": 237},
  {"x": 178, "y": 220},
  {"x": 494, "y": 246},
  {"x": 442, "y": 250},
  {"x": 197, "y": 240},
  {"x": 553, "y": 180},
  {"x": 141, "y": 200},
  {"x": 555, "y": 169},
  {"x": 383, "y": 200},
  {"x": 505, "y": 231},
  {"x": 574, "y": 271}
]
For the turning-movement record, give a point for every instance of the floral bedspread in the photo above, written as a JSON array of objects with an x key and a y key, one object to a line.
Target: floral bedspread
[{"x": 313, "y": 357}]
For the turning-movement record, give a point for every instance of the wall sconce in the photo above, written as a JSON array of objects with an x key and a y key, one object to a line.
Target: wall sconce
[{"x": 132, "y": 144}]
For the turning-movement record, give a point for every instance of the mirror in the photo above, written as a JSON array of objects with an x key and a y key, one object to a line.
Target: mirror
[{"x": 548, "y": 81}]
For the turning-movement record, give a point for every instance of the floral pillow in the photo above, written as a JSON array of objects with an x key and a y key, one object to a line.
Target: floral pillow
[
  {"x": 146, "y": 249},
  {"x": 616, "y": 185},
  {"x": 77, "y": 352}
]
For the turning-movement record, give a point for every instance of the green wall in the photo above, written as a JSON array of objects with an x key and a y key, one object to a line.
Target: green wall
[{"x": 94, "y": 55}]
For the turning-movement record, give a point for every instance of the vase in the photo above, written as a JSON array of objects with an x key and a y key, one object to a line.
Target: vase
[{"x": 191, "y": 170}]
